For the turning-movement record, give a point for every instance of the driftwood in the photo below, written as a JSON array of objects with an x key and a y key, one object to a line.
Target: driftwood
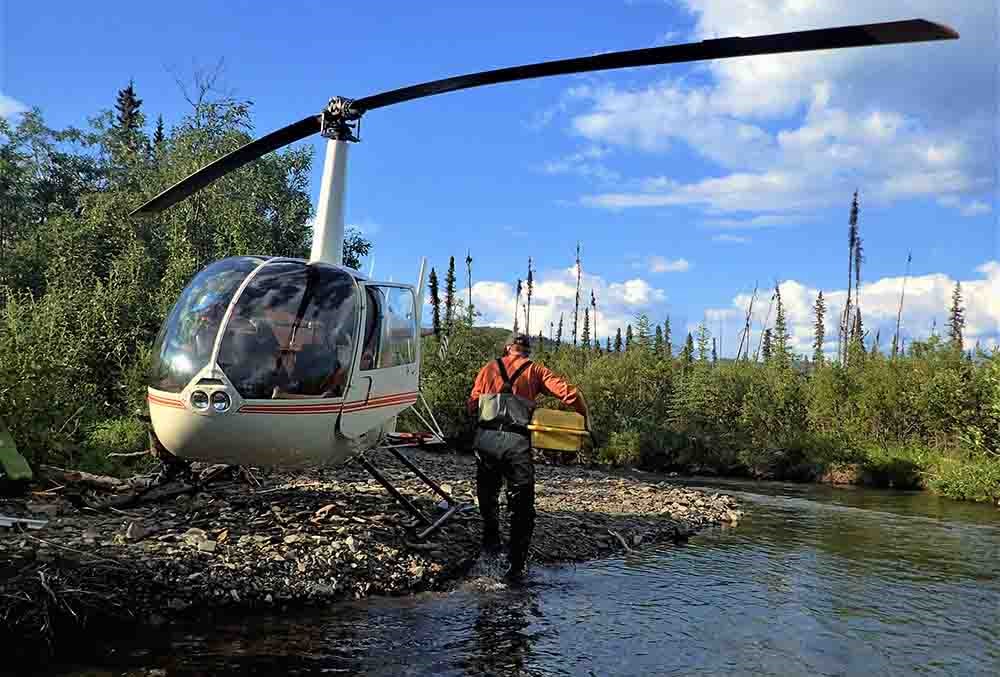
[
  {"x": 78, "y": 478},
  {"x": 126, "y": 492}
]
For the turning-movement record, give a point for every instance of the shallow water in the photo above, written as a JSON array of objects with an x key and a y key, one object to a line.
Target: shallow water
[{"x": 815, "y": 581}]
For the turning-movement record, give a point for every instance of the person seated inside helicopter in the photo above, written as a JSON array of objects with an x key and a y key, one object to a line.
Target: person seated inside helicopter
[
  {"x": 249, "y": 356},
  {"x": 316, "y": 361}
]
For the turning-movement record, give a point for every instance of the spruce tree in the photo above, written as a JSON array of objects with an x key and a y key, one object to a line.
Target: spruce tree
[
  {"x": 852, "y": 240},
  {"x": 576, "y": 304},
  {"x": 585, "y": 337},
  {"x": 128, "y": 118},
  {"x": 158, "y": 134},
  {"x": 517, "y": 303},
  {"x": 819, "y": 329},
  {"x": 781, "y": 338},
  {"x": 703, "y": 337},
  {"x": 629, "y": 337},
  {"x": 687, "y": 354},
  {"x": 607, "y": 348},
  {"x": 468, "y": 284},
  {"x": 668, "y": 347},
  {"x": 559, "y": 332},
  {"x": 956, "y": 318},
  {"x": 618, "y": 340},
  {"x": 531, "y": 289},
  {"x": 766, "y": 347},
  {"x": 593, "y": 314},
  {"x": 643, "y": 339},
  {"x": 658, "y": 341},
  {"x": 856, "y": 348},
  {"x": 435, "y": 303},
  {"x": 449, "y": 295},
  {"x": 715, "y": 355}
]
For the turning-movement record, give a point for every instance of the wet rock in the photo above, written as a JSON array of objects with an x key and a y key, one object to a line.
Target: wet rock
[{"x": 135, "y": 532}]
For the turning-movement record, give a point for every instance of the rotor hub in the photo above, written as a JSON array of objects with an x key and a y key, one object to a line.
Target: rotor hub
[{"x": 340, "y": 120}]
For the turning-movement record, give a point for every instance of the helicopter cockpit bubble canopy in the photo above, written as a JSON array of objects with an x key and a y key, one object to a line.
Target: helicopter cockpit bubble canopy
[
  {"x": 254, "y": 362},
  {"x": 290, "y": 332}
]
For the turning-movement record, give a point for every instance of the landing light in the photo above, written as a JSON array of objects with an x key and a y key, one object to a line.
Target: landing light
[
  {"x": 220, "y": 401},
  {"x": 199, "y": 400}
]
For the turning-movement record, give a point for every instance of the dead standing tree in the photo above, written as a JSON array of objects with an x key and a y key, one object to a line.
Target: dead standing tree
[
  {"x": 745, "y": 334},
  {"x": 576, "y": 303},
  {"x": 899, "y": 313}
]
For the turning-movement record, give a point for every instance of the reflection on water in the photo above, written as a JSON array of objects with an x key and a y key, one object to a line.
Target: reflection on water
[{"x": 816, "y": 581}]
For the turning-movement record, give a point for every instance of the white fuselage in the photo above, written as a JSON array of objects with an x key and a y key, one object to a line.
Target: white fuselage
[{"x": 312, "y": 361}]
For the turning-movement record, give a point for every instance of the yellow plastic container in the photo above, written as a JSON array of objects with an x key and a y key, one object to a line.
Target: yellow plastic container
[{"x": 556, "y": 430}]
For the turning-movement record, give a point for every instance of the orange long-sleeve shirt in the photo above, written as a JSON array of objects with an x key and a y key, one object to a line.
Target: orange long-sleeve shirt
[{"x": 534, "y": 381}]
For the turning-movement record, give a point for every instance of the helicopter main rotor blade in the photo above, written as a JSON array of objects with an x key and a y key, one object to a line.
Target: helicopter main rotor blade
[
  {"x": 914, "y": 30},
  {"x": 247, "y": 153}
]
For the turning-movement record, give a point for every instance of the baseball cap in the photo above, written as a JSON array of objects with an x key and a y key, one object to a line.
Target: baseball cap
[{"x": 520, "y": 340}]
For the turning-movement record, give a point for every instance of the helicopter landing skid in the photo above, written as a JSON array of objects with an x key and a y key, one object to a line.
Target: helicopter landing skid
[{"x": 430, "y": 526}]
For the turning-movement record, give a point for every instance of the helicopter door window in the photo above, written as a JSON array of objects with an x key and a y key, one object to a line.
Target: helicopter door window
[
  {"x": 292, "y": 333},
  {"x": 399, "y": 328},
  {"x": 374, "y": 302}
]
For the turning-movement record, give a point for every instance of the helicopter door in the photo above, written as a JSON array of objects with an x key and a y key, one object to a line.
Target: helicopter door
[{"x": 386, "y": 369}]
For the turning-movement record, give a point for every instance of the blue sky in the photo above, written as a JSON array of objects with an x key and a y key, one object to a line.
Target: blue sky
[{"x": 685, "y": 183}]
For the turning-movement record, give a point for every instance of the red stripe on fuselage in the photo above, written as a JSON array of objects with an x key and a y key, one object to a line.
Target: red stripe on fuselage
[
  {"x": 155, "y": 399},
  {"x": 324, "y": 408}
]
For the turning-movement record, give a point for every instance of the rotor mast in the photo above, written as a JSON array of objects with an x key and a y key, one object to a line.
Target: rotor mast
[{"x": 339, "y": 126}]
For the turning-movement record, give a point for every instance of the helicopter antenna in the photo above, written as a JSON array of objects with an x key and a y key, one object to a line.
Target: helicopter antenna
[{"x": 340, "y": 120}]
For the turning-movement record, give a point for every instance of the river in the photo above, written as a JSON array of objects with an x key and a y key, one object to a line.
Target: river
[{"x": 815, "y": 581}]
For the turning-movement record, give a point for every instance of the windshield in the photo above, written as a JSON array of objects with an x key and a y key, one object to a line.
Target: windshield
[
  {"x": 292, "y": 332},
  {"x": 184, "y": 345}
]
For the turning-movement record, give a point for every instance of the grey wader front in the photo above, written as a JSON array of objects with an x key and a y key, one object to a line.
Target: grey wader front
[{"x": 503, "y": 452}]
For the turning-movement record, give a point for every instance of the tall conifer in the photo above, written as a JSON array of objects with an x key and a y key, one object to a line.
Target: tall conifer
[{"x": 435, "y": 303}]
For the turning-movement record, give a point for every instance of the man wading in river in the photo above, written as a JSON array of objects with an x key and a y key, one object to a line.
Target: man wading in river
[{"x": 503, "y": 396}]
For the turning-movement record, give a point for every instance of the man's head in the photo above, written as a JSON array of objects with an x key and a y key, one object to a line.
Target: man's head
[{"x": 518, "y": 344}]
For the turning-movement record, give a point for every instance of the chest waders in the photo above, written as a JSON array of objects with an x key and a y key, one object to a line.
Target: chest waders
[{"x": 503, "y": 453}]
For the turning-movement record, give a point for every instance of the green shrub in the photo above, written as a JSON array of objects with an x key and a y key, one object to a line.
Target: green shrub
[
  {"x": 967, "y": 480},
  {"x": 622, "y": 448},
  {"x": 116, "y": 436}
]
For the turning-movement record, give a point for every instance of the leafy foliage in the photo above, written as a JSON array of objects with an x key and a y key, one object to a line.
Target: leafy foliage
[{"x": 84, "y": 286}]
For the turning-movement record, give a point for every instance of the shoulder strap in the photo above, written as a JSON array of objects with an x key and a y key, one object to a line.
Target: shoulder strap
[
  {"x": 507, "y": 382},
  {"x": 520, "y": 370}
]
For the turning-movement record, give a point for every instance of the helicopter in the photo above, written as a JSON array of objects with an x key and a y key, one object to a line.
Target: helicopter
[{"x": 275, "y": 361}]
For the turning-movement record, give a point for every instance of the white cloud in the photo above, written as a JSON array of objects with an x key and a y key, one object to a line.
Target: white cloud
[
  {"x": 658, "y": 264},
  {"x": 10, "y": 106},
  {"x": 726, "y": 237},
  {"x": 584, "y": 163},
  {"x": 927, "y": 300},
  {"x": 618, "y": 303},
  {"x": 975, "y": 208},
  {"x": 796, "y": 132}
]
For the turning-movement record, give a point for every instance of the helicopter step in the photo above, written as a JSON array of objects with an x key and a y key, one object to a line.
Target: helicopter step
[{"x": 431, "y": 526}]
